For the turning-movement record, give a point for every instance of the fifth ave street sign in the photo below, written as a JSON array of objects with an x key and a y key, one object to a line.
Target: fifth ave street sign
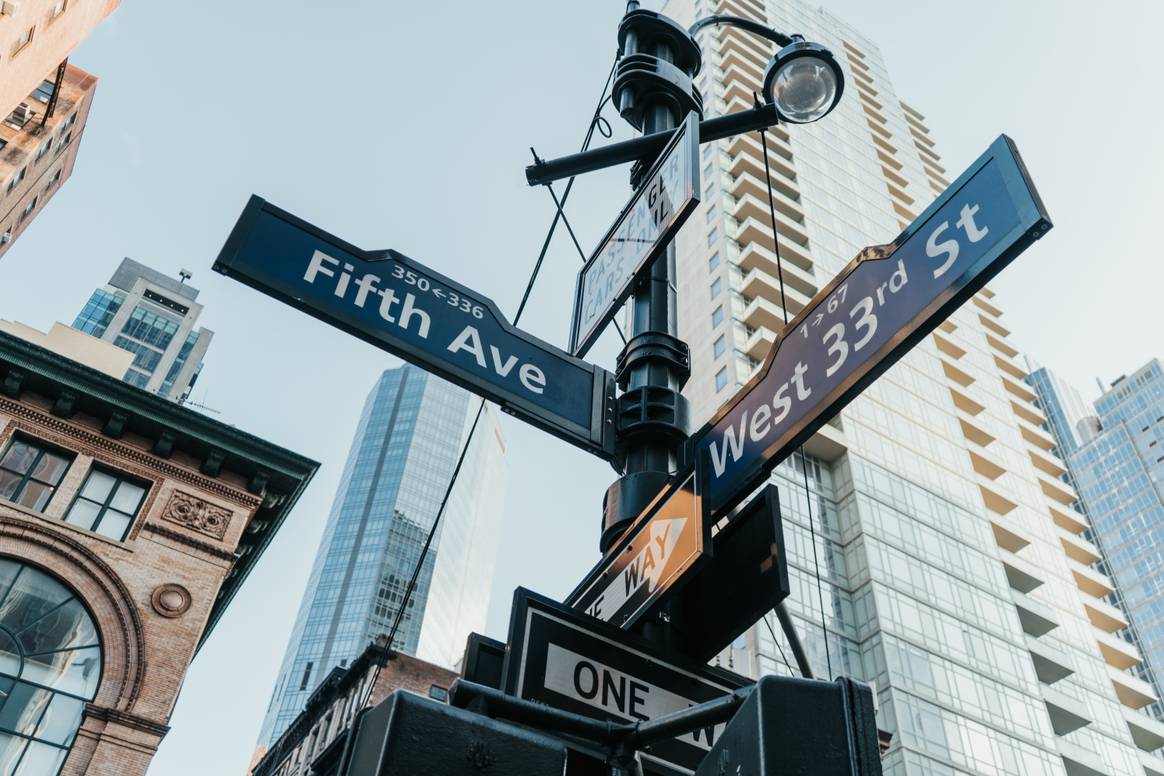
[
  {"x": 648, "y": 222},
  {"x": 405, "y": 308},
  {"x": 651, "y": 556},
  {"x": 880, "y": 306}
]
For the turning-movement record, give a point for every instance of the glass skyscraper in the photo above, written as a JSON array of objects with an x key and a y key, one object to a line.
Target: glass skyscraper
[
  {"x": 1063, "y": 406},
  {"x": 402, "y": 457},
  {"x": 953, "y": 570},
  {"x": 152, "y": 316},
  {"x": 1118, "y": 468}
]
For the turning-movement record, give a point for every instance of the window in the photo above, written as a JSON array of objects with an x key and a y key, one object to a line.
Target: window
[
  {"x": 30, "y": 472},
  {"x": 438, "y": 693},
  {"x": 3, "y": 143},
  {"x": 721, "y": 379},
  {"x": 716, "y": 286},
  {"x": 713, "y": 262},
  {"x": 24, "y": 39},
  {"x": 717, "y": 316},
  {"x": 107, "y": 504},
  {"x": 306, "y": 675},
  {"x": 707, "y": 150},
  {"x": 31, "y": 206},
  {"x": 707, "y": 171},
  {"x": 16, "y": 179},
  {"x": 53, "y": 181},
  {"x": 712, "y": 236},
  {"x": 720, "y": 346},
  {"x": 45, "y": 147},
  {"x": 50, "y": 667},
  {"x": 64, "y": 141},
  {"x": 70, "y": 121},
  {"x": 59, "y": 8},
  {"x": 44, "y": 92}
]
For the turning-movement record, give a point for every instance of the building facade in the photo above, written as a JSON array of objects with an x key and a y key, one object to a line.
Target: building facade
[
  {"x": 952, "y": 570},
  {"x": 314, "y": 741},
  {"x": 36, "y": 36},
  {"x": 39, "y": 141},
  {"x": 152, "y": 316},
  {"x": 401, "y": 460},
  {"x": 1118, "y": 468},
  {"x": 127, "y": 524},
  {"x": 1065, "y": 409}
]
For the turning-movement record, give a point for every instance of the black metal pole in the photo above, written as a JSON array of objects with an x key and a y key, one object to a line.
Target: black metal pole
[{"x": 793, "y": 640}]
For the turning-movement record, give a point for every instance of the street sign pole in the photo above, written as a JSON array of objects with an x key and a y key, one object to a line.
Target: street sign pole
[{"x": 651, "y": 417}]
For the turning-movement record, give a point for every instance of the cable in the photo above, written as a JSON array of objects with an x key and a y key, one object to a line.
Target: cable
[
  {"x": 776, "y": 641},
  {"x": 581, "y": 253},
  {"x": 803, "y": 459},
  {"x": 595, "y": 122}
]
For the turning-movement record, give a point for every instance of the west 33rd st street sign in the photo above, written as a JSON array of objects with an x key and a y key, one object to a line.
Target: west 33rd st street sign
[{"x": 875, "y": 310}]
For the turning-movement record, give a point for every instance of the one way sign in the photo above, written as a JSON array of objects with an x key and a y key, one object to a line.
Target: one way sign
[{"x": 658, "y": 547}]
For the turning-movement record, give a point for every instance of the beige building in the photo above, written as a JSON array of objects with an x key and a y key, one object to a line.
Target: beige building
[
  {"x": 127, "y": 525},
  {"x": 956, "y": 573},
  {"x": 74, "y": 345},
  {"x": 36, "y": 36}
]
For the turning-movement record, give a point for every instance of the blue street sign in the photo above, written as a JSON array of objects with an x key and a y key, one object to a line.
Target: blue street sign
[
  {"x": 405, "y": 308},
  {"x": 880, "y": 306}
]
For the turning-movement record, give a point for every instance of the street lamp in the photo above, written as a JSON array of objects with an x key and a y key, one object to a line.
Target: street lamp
[{"x": 803, "y": 81}]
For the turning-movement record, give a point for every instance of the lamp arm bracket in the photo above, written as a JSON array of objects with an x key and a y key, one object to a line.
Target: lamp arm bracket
[{"x": 751, "y": 26}]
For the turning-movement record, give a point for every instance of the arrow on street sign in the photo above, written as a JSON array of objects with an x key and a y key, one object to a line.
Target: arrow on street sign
[
  {"x": 565, "y": 659},
  {"x": 407, "y": 309},
  {"x": 874, "y": 311},
  {"x": 650, "y": 557},
  {"x": 648, "y": 222}
]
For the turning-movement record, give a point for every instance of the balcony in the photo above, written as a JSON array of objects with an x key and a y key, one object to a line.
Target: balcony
[
  {"x": 1037, "y": 618},
  {"x": 750, "y": 184},
  {"x": 1089, "y": 580},
  {"x": 749, "y": 208},
  {"x": 736, "y": 58},
  {"x": 1117, "y": 652},
  {"x": 1036, "y": 436},
  {"x": 1051, "y": 663},
  {"x": 1103, "y": 615},
  {"x": 752, "y": 231},
  {"x": 986, "y": 306},
  {"x": 1078, "y": 761},
  {"x": 1023, "y": 576},
  {"x": 1077, "y": 548},
  {"x": 1048, "y": 464},
  {"x": 1067, "y": 714},
  {"x": 760, "y": 313},
  {"x": 1133, "y": 691},
  {"x": 995, "y": 501},
  {"x": 758, "y": 258},
  {"x": 1001, "y": 346},
  {"x": 1153, "y": 766},
  {"x": 1147, "y": 732},
  {"x": 827, "y": 444},
  {"x": 759, "y": 283},
  {"x": 753, "y": 162},
  {"x": 1067, "y": 519},
  {"x": 1019, "y": 388},
  {"x": 1007, "y": 535},
  {"x": 1056, "y": 490},
  {"x": 759, "y": 343}
]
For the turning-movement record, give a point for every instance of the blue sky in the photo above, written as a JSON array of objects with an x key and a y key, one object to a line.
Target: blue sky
[{"x": 408, "y": 125}]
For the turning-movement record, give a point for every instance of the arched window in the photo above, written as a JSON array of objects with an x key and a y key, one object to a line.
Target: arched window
[{"x": 50, "y": 666}]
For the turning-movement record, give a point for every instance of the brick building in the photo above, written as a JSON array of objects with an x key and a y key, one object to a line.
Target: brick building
[
  {"x": 39, "y": 140},
  {"x": 127, "y": 524},
  {"x": 44, "y": 102},
  {"x": 37, "y": 35},
  {"x": 314, "y": 742}
]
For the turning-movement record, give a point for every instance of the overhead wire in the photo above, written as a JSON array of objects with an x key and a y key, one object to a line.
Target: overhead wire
[
  {"x": 603, "y": 127},
  {"x": 800, "y": 450}
]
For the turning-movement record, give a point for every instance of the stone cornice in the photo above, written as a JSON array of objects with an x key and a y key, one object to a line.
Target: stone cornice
[
  {"x": 189, "y": 541},
  {"x": 128, "y": 720}
]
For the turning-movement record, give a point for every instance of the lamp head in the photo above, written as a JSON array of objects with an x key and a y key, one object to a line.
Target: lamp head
[{"x": 804, "y": 82}]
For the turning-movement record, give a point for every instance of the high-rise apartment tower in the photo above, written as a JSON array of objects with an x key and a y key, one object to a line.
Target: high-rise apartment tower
[
  {"x": 401, "y": 460},
  {"x": 152, "y": 316},
  {"x": 1117, "y": 465},
  {"x": 952, "y": 570}
]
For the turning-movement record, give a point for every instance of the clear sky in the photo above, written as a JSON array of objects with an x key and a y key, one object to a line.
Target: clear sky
[{"x": 407, "y": 125}]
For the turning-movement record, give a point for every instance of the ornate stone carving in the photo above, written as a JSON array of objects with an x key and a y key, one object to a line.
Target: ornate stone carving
[
  {"x": 170, "y": 600},
  {"x": 196, "y": 514}
]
